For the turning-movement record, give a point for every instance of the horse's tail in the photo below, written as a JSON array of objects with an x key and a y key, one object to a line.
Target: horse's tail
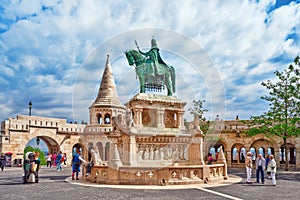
[{"x": 173, "y": 78}]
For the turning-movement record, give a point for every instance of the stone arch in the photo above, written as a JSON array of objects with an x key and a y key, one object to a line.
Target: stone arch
[
  {"x": 100, "y": 149},
  {"x": 261, "y": 144},
  {"x": 213, "y": 148},
  {"x": 80, "y": 147},
  {"x": 291, "y": 149},
  {"x": 99, "y": 118},
  {"x": 238, "y": 153},
  {"x": 107, "y": 118},
  {"x": 51, "y": 140},
  {"x": 90, "y": 147}
]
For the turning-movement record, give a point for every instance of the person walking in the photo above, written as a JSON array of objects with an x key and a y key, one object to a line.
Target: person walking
[
  {"x": 260, "y": 165},
  {"x": 65, "y": 159},
  {"x": 59, "y": 160},
  {"x": 2, "y": 161},
  {"x": 54, "y": 159},
  {"x": 49, "y": 158},
  {"x": 76, "y": 162},
  {"x": 248, "y": 164},
  {"x": 267, "y": 169},
  {"x": 272, "y": 169}
]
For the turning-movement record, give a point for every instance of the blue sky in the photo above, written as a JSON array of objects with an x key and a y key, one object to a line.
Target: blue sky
[{"x": 53, "y": 52}]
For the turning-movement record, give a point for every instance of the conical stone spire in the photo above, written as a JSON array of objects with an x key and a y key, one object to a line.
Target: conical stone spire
[{"x": 107, "y": 94}]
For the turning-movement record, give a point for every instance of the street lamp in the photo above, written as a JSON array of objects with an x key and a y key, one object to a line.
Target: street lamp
[
  {"x": 37, "y": 140},
  {"x": 30, "y": 106}
]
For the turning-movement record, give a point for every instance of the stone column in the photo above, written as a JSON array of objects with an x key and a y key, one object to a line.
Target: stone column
[
  {"x": 138, "y": 117},
  {"x": 277, "y": 157},
  {"x": 297, "y": 157},
  {"x": 160, "y": 118},
  {"x": 180, "y": 120},
  {"x": 132, "y": 151},
  {"x": 297, "y": 146},
  {"x": 228, "y": 157},
  {"x": 201, "y": 152},
  {"x": 238, "y": 156}
]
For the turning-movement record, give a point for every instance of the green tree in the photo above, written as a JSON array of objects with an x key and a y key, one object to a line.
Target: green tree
[
  {"x": 198, "y": 112},
  {"x": 282, "y": 118},
  {"x": 42, "y": 154}
]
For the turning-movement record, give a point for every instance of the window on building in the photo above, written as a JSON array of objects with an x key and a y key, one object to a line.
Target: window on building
[
  {"x": 107, "y": 119},
  {"x": 99, "y": 118}
]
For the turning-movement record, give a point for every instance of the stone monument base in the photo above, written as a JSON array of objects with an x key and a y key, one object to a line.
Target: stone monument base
[{"x": 171, "y": 175}]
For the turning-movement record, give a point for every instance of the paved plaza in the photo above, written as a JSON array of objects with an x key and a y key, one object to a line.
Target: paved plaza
[{"x": 57, "y": 185}]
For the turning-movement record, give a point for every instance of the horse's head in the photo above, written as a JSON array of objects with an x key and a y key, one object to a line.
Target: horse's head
[{"x": 130, "y": 57}]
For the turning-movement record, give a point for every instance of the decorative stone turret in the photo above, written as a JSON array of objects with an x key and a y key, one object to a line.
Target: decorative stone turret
[{"x": 107, "y": 104}]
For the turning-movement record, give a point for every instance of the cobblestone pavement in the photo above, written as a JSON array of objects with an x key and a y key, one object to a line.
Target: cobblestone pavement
[{"x": 52, "y": 185}]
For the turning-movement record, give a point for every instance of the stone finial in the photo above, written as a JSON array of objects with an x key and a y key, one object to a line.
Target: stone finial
[
  {"x": 221, "y": 157},
  {"x": 116, "y": 161}
]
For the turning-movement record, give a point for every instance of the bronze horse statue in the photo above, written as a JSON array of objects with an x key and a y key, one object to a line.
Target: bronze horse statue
[{"x": 149, "y": 76}]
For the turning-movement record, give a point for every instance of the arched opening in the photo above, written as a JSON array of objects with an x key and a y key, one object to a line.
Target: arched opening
[
  {"x": 261, "y": 151},
  {"x": 100, "y": 149},
  {"x": 47, "y": 148},
  {"x": 76, "y": 147},
  {"x": 214, "y": 150},
  {"x": 291, "y": 150},
  {"x": 107, "y": 148},
  {"x": 234, "y": 153},
  {"x": 99, "y": 118},
  {"x": 90, "y": 147},
  {"x": 253, "y": 152},
  {"x": 242, "y": 155},
  {"x": 107, "y": 118},
  {"x": 238, "y": 153},
  {"x": 270, "y": 151}
]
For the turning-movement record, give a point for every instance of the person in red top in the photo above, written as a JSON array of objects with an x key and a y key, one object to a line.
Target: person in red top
[{"x": 54, "y": 159}]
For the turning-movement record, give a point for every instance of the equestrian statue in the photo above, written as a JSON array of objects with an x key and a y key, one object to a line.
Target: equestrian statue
[{"x": 153, "y": 73}]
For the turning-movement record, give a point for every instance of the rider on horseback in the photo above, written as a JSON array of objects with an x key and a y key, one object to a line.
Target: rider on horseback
[{"x": 154, "y": 58}]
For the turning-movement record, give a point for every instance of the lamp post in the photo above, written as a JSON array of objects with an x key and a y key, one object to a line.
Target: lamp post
[
  {"x": 37, "y": 140},
  {"x": 30, "y": 106}
]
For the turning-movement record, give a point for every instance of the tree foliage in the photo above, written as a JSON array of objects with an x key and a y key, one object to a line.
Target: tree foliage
[
  {"x": 198, "y": 109},
  {"x": 198, "y": 112},
  {"x": 282, "y": 118},
  {"x": 42, "y": 154}
]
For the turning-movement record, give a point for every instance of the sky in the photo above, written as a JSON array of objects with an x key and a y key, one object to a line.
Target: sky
[{"x": 53, "y": 52}]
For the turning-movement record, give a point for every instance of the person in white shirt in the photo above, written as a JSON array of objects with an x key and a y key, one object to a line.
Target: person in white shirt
[{"x": 260, "y": 165}]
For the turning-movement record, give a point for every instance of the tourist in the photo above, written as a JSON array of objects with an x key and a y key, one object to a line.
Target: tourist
[
  {"x": 272, "y": 166},
  {"x": 76, "y": 162},
  {"x": 49, "y": 160},
  {"x": 91, "y": 163},
  {"x": 248, "y": 164},
  {"x": 37, "y": 161},
  {"x": 217, "y": 155},
  {"x": 59, "y": 160},
  {"x": 2, "y": 161},
  {"x": 268, "y": 169},
  {"x": 54, "y": 159},
  {"x": 260, "y": 165},
  {"x": 209, "y": 159},
  {"x": 65, "y": 158}
]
